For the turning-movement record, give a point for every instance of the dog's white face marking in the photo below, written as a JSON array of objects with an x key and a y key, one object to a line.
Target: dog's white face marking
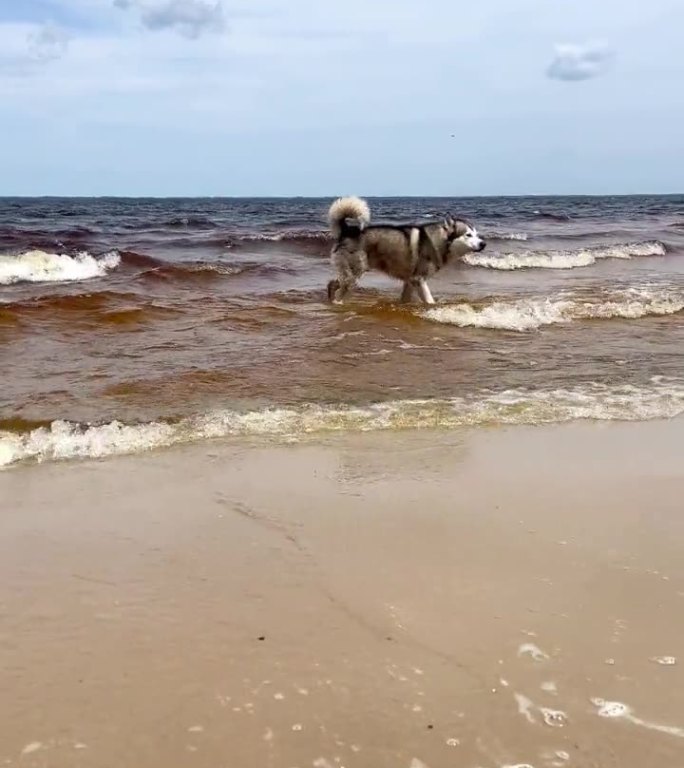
[{"x": 468, "y": 242}]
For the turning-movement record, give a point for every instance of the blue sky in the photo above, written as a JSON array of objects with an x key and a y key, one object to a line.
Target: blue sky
[{"x": 284, "y": 97}]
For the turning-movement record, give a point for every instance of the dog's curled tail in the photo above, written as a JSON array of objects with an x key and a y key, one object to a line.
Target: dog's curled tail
[{"x": 348, "y": 208}]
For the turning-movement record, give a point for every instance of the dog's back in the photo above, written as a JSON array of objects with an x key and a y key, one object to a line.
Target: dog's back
[{"x": 388, "y": 249}]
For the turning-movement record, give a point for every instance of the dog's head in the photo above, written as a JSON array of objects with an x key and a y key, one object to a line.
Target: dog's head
[{"x": 462, "y": 236}]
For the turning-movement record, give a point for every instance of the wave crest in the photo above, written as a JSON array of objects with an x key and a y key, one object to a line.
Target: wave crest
[
  {"x": 552, "y": 215},
  {"x": 661, "y": 398},
  {"x": 520, "y": 236},
  {"x": 528, "y": 314},
  {"x": 44, "y": 267},
  {"x": 564, "y": 259},
  {"x": 285, "y": 236}
]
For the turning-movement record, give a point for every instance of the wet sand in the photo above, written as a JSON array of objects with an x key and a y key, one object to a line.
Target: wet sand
[{"x": 388, "y": 600}]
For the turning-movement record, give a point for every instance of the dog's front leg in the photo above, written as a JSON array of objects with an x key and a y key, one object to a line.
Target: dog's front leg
[{"x": 424, "y": 291}]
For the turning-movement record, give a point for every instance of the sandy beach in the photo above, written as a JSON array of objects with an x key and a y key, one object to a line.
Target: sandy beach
[{"x": 483, "y": 598}]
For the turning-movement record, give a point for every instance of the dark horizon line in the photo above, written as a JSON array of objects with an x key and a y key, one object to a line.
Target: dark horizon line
[{"x": 332, "y": 197}]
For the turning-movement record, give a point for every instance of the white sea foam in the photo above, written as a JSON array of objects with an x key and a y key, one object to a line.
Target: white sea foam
[
  {"x": 519, "y": 765},
  {"x": 616, "y": 709},
  {"x": 278, "y": 237},
  {"x": 41, "y": 266},
  {"x": 530, "y": 313},
  {"x": 522, "y": 236},
  {"x": 563, "y": 259},
  {"x": 661, "y": 398},
  {"x": 533, "y": 651},
  {"x": 530, "y": 260},
  {"x": 526, "y": 707},
  {"x": 554, "y": 718},
  {"x": 34, "y": 746}
]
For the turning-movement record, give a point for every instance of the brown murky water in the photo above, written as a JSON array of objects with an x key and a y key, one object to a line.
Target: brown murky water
[{"x": 187, "y": 319}]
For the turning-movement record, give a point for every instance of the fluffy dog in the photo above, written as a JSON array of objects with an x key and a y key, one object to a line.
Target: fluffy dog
[{"x": 410, "y": 253}]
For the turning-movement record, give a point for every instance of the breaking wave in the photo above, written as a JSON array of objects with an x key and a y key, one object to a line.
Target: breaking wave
[
  {"x": 661, "y": 398},
  {"x": 42, "y": 267},
  {"x": 528, "y": 314},
  {"x": 286, "y": 236},
  {"x": 521, "y": 236},
  {"x": 564, "y": 259}
]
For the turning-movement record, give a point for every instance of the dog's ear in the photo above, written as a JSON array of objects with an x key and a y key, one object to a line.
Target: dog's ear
[
  {"x": 460, "y": 227},
  {"x": 448, "y": 223}
]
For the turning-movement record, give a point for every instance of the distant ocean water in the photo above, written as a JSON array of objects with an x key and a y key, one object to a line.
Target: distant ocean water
[{"x": 130, "y": 324}]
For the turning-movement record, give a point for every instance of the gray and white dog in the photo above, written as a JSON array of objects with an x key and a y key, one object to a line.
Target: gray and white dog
[{"x": 410, "y": 253}]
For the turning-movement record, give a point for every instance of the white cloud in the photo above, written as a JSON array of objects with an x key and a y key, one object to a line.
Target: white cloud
[
  {"x": 579, "y": 62},
  {"x": 27, "y": 48},
  {"x": 191, "y": 18},
  {"x": 48, "y": 43}
]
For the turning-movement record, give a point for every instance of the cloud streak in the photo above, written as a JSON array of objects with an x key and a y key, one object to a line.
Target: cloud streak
[
  {"x": 574, "y": 62},
  {"x": 190, "y": 18}
]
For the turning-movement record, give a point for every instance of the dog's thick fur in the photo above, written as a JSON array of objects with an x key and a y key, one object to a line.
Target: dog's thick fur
[{"x": 410, "y": 253}]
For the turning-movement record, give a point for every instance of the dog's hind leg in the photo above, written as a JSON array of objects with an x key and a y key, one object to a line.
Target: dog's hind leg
[
  {"x": 407, "y": 293},
  {"x": 342, "y": 288},
  {"x": 424, "y": 291},
  {"x": 350, "y": 265},
  {"x": 333, "y": 288}
]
